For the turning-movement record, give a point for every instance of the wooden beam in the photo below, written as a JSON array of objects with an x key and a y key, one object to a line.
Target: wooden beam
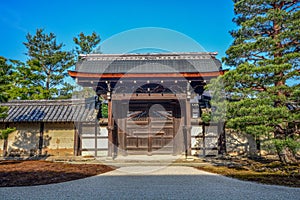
[
  {"x": 75, "y": 74},
  {"x": 143, "y": 96}
]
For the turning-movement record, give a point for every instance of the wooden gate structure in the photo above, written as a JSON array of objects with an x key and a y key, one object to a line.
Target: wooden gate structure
[
  {"x": 149, "y": 98},
  {"x": 151, "y": 131}
]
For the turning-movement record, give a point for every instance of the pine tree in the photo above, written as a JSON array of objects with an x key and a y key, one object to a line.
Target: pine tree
[
  {"x": 26, "y": 84},
  {"x": 47, "y": 64},
  {"x": 264, "y": 83},
  {"x": 5, "y": 84},
  {"x": 85, "y": 44},
  {"x": 5, "y": 71}
]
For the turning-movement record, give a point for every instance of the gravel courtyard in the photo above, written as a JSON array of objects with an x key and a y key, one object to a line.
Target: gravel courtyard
[{"x": 153, "y": 182}]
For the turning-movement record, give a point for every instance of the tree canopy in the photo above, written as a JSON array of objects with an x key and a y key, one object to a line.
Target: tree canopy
[
  {"x": 5, "y": 72},
  {"x": 85, "y": 44},
  {"x": 263, "y": 85},
  {"x": 43, "y": 75},
  {"x": 5, "y": 84},
  {"x": 47, "y": 62}
]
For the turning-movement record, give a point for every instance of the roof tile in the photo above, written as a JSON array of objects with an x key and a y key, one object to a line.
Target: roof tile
[
  {"x": 51, "y": 110},
  {"x": 149, "y": 63}
]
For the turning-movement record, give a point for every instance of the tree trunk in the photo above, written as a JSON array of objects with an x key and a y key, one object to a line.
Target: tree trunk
[
  {"x": 222, "y": 138},
  {"x": 252, "y": 151},
  {"x": 48, "y": 87},
  {"x": 277, "y": 30},
  {"x": 258, "y": 146}
]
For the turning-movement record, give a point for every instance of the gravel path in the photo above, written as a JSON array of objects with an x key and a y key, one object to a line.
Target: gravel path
[{"x": 172, "y": 182}]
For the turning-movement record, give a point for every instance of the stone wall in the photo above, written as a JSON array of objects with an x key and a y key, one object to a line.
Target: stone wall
[{"x": 241, "y": 144}]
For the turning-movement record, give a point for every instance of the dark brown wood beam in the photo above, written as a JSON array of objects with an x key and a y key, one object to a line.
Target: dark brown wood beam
[
  {"x": 75, "y": 74},
  {"x": 148, "y": 96},
  {"x": 41, "y": 138}
]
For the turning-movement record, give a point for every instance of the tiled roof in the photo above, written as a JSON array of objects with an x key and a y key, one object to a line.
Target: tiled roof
[
  {"x": 149, "y": 63},
  {"x": 51, "y": 111}
]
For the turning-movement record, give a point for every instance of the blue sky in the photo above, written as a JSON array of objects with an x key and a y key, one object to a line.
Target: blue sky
[{"x": 206, "y": 22}]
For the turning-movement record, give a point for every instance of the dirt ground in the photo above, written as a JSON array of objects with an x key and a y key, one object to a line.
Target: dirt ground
[{"x": 28, "y": 173}]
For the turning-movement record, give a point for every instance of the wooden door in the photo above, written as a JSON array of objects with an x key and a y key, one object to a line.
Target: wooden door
[{"x": 149, "y": 133}]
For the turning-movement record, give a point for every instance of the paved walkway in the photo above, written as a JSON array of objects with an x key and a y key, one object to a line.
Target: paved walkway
[{"x": 153, "y": 182}]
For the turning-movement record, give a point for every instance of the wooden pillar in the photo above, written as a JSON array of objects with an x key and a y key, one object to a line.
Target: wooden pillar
[
  {"x": 188, "y": 147},
  {"x": 149, "y": 135},
  {"x": 75, "y": 145},
  {"x": 122, "y": 127},
  {"x": 176, "y": 136},
  {"x": 203, "y": 138},
  {"x": 115, "y": 139},
  {"x": 41, "y": 138},
  {"x": 110, "y": 127},
  {"x": 187, "y": 128},
  {"x": 76, "y": 140},
  {"x": 80, "y": 139}
]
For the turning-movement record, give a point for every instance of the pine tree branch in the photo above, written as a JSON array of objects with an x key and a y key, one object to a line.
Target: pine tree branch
[
  {"x": 259, "y": 56},
  {"x": 289, "y": 5},
  {"x": 292, "y": 42}
]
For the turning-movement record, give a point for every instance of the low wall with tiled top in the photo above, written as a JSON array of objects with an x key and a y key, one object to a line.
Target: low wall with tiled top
[{"x": 58, "y": 139}]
